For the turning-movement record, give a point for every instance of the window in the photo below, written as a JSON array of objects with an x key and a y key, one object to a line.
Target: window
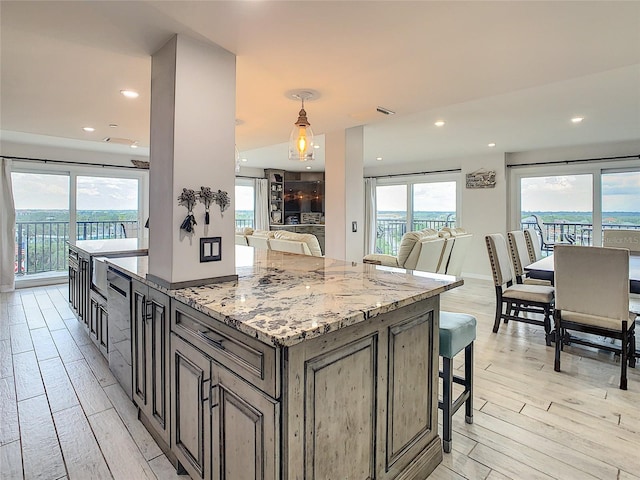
[
  {"x": 56, "y": 203},
  {"x": 414, "y": 205},
  {"x": 42, "y": 222},
  {"x": 106, "y": 207},
  {"x": 245, "y": 205},
  {"x": 559, "y": 206},
  {"x": 575, "y": 202}
]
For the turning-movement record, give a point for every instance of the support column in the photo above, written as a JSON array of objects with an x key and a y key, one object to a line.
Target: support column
[
  {"x": 344, "y": 193},
  {"x": 192, "y": 145}
]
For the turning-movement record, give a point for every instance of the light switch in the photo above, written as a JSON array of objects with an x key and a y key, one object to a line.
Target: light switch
[{"x": 210, "y": 249}]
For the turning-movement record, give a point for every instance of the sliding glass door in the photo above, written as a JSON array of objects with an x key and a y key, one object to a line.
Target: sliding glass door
[
  {"x": 42, "y": 222},
  {"x": 575, "y": 203}
]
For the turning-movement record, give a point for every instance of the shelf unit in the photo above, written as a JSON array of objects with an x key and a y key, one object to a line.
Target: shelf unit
[{"x": 276, "y": 196}]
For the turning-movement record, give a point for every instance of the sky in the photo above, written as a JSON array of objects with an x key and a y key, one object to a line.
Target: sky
[{"x": 621, "y": 192}]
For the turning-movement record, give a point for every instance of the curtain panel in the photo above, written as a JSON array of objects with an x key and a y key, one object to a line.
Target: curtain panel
[
  {"x": 7, "y": 229},
  {"x": 370, "y": 218},
  {"x": 261, "y": 207}
]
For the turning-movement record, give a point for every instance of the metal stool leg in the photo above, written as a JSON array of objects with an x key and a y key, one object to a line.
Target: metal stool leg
[
  {"x": 468, "y": 382},
  {"x": 447, "y": 392}
]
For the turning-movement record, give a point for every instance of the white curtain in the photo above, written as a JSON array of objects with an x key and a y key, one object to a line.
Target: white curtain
[
  {"x": 261, "y": 207},
  {"x": 370, "y": 219},
  {"x": 7, "y": 229}
]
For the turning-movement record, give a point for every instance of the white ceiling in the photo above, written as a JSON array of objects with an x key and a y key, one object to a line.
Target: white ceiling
[{"x": 513, "y": 73}]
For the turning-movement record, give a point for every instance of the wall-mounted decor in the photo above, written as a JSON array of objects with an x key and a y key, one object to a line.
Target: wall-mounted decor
[
  {"x": 210, "y": 249},
  {"x": 481, "y": 179},
  {"x": 206, "y": 196},
  {"x": 188, "y": 199}
]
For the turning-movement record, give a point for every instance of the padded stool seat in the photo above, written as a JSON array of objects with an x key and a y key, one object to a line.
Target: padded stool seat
[{"x": 457, "y": 332}]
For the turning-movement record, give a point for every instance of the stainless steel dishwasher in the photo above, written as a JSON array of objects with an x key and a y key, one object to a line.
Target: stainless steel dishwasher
[{"x": 119, "y": 308}]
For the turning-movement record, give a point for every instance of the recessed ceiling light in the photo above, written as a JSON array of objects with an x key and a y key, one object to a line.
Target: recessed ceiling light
[
  {"x": 577, "y": 119},
  {"x": 316, "y": 146},
  {"x": 491, "y": 145},
  {"x": 130, "y": 93},
  {"x": 243, "y": 160},
  {"x": 89, "y": 129},
  {"x": 113, "y": 125},
  {"x": 134, "y": 145},
  {"x": 379, "y": 159},
  {"x": 308, "y": 168},
  {"x": 439, "y": 123}
]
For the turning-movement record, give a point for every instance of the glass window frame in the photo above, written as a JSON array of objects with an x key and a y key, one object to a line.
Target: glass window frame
[
  {"x": 410, "y": 181},
  {"x": 74, "y": 171},
  {"x": 595, "y": 168}
]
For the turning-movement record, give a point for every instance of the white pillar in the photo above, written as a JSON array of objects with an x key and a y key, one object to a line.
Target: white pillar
[
  {"x": 344, "y": 193},
  {"x": 192, "y": 145}
]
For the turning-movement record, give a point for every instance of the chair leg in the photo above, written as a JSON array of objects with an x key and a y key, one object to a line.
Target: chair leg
[
  {"x": 496, "y": 324},
  {"x": 547, "y": 325},
  {"x": 623, "y": 356},
  {"x": 468, "y": 382},
  {"x": 447, "y": 392},
  {"x": 556, "y": 365},
  {"x": 632, "y": 349}
]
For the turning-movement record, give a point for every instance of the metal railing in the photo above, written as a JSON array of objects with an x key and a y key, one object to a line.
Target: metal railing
[
  {"x": 42, "y": 246},
  {"x": 568, "y": 232},
  {"x": 389, "y": 232},
  {"x": 244, "y": 222}
]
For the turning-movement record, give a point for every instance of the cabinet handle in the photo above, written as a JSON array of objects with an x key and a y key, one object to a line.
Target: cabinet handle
[
  {"x": 215, "y": 341},
  {"x": 215, "y": 396},
  {"x": 148, "y": 309},
  {"x": 206, "y": 390}
]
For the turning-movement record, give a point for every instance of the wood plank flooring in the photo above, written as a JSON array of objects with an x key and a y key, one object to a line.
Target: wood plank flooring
[{"x": 63, "y": 415}]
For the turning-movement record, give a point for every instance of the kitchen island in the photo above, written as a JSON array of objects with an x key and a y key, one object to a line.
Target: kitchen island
[{"x": 305, "y": 367}]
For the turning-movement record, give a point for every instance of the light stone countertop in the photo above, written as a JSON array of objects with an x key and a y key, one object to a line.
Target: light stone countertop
[
  {"x": 113, "y": 246},
  {"x": 283, "y": 299}
]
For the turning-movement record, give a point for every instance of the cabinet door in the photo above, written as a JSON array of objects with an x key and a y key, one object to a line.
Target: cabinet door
[
  {"x": 244, "y": 435},
  {"x": 157, "y": 356},
  {"x": 84, "y": 287},
  {"x": 103, "y": 329},
  {"x": 93, "y": 317},
  {"x": 139, "y": 341},
  {"x": 190, "y": 403},
  {"x": 74, "y": 280}
]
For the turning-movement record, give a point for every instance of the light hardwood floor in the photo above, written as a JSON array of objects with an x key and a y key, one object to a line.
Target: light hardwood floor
[{"x": 63, "y": 415}]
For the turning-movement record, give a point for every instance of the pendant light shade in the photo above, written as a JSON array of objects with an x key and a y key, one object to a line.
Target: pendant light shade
[{"x": 301, "y": 139}]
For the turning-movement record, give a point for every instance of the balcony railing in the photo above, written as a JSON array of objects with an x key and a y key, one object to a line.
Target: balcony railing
[
  {"x": 41, "y": 246},
  {"x": 575, "y": 233},
  {"x": 244, "y": 222},
  {"x": 390, "y": 232}
]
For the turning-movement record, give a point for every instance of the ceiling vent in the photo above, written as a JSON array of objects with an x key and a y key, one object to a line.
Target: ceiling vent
[
  {"x": 385, "y": 111},
  {"x": 121, "y": 141}
]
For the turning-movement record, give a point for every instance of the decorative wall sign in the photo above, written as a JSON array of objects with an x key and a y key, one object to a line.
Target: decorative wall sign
[
  {"x": 210, "y": 249},
  {"x": 481, "y": 179}
]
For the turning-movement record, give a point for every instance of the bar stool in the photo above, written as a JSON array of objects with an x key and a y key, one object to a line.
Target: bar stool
[{"x": 457, "y": 332}]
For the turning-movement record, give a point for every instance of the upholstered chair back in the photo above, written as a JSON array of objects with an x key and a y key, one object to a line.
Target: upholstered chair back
[
  {"x": 592, "y": 280},
  {"x": 519, "y": 251},
  {"x": 309, "y": 239},
  {"x": 407, "y": 257},
  {"x": 499, "y": 259},
  {"x": 461, "y": 244},
  {"x": 430, "y": 254},
  {"x": 533, "y": 245},
  {"x": 289, "y": 246}
]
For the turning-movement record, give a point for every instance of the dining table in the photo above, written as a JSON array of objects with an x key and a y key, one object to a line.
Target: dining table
[{"x": 543, "y": 270}]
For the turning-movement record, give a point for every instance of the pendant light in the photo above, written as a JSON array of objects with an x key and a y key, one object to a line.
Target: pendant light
[{"x": 301, "y": 140}]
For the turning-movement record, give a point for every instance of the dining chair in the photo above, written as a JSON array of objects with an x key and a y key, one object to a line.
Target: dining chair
[
  {"x": 592, "y": 296},
  {"x": 516, "y": 298},
  {"x": 520, "y": 258},
  {"x": 547, "y": 245},
  {"x": 533, "y": 245}
]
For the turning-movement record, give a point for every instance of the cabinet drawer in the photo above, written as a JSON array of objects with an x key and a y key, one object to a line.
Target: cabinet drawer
[{"x": 247, "y": 357}]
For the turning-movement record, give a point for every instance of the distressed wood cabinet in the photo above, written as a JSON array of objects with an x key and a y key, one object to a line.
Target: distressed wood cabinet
[
  {"x": 150, "y": 356},
  {"x": 98, "y": 322},
  {"x": 357, "y": 403}
]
